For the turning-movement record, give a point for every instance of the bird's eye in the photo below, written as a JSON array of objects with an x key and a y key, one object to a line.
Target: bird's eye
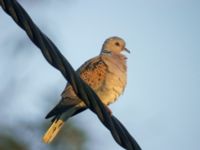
[{"x": 117, "y": 44}]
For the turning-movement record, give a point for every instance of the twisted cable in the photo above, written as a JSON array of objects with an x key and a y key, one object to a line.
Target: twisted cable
[{"x": 57, "y": 60}]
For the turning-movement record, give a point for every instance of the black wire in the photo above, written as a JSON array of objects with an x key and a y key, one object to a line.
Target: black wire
[{"x": 57, "y": 60}]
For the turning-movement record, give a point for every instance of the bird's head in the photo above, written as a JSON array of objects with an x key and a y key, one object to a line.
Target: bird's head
[{"x": 114, "y": 45}]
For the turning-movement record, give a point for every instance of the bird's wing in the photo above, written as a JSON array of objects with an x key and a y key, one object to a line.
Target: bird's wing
[{"x": 93, "y": 72}]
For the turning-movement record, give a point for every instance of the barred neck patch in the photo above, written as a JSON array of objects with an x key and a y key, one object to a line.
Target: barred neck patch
[{"x": 107, "y": 52}]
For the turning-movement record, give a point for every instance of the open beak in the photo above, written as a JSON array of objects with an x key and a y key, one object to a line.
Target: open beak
[{"x": 127, "y": 50}]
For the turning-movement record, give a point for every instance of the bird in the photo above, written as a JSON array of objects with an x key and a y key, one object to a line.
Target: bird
[{"x": 106, "y": 74}]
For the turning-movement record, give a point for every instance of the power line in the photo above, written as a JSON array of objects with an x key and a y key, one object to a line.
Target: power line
[{"x": 57, "y": 60}]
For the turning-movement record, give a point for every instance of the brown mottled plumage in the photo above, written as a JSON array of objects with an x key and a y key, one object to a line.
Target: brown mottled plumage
[{"x": 105, "y": 74}]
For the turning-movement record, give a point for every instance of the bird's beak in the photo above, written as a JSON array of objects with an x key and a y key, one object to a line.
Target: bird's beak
[{"x": 127, "y": 50}]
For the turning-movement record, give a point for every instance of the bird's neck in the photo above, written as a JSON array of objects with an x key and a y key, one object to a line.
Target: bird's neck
[
  {"x": 116, "y": 58},
  {"x": 120, "y": 57},
  {"x": 117, "y": 55},
  {"x": 105, "y": 52}
]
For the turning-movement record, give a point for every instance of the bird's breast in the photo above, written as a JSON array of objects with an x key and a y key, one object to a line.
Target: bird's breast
[{"x": 115, "y": 79}]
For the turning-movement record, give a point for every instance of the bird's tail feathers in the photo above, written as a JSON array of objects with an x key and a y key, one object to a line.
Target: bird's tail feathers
[
  {"x": 53, "y": 130},
  {"x": 56, "y": 125}
]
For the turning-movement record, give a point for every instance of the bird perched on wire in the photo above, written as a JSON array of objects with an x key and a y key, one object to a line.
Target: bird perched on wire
[{"x": 105, "y": 74}]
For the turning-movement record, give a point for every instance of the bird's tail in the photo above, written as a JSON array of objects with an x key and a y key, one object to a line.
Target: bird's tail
[
  {"x": 53, "y": 130},
  {"x": 57, "y": 124}
]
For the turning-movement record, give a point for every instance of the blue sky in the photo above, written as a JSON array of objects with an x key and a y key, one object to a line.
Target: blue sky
[{"x": 160, "y": 106}]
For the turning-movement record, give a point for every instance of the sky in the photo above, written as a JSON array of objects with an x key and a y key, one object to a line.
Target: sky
[{"x": 160, "y": 105}]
